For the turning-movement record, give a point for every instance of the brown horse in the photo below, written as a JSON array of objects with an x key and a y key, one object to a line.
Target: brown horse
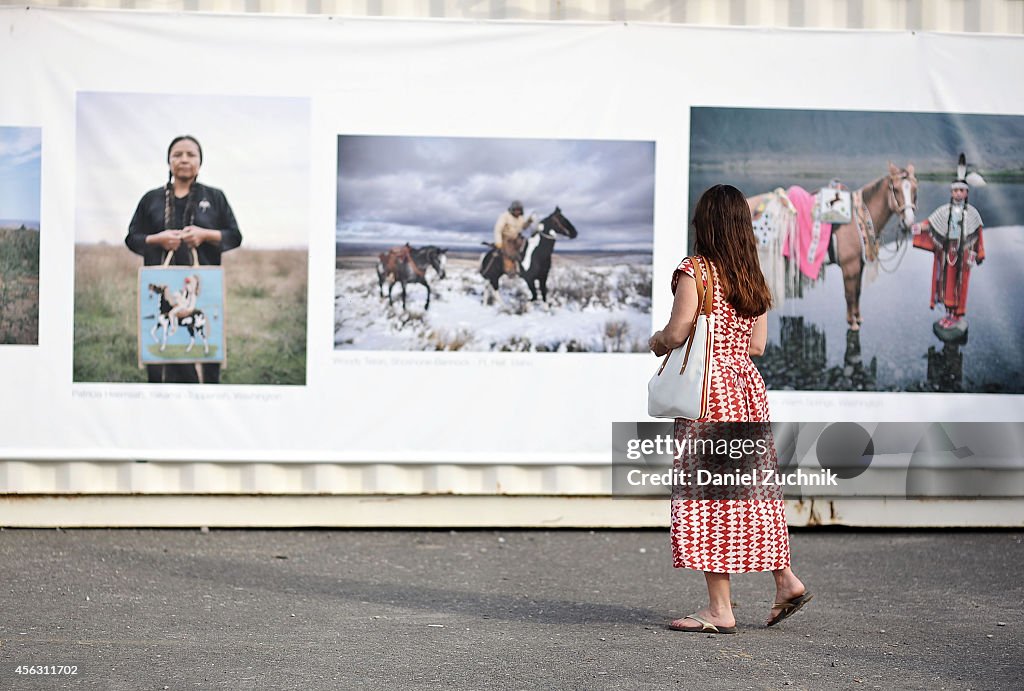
[
  {"x": 405, "y": 264},
  {"x": 873, "y": 205}
]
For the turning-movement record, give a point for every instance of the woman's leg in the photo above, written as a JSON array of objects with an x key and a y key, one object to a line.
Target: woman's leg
[
  {"x": 787, "y": 587},
  {"x": 719, "y": 609},
  {"x": 719, "y": 597},
  {"x": 178, "y": 314},
  {"x": 174, "y": 316},
  {"x": 211, "y": 373},
  {"x": 180, "y": 374}
]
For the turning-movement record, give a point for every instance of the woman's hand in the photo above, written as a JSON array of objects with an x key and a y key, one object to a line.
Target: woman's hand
[
  {"x": 657, "y": 345},
  {"x": 193, "y": 236},
  {"x": 170, "y": 240}
]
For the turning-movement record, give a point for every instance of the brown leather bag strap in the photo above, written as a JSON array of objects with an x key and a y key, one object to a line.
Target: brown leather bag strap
[
  {"x": 709, "y": 293},
  {"x": 699, "y": 279},
  {"x": 703, "y": 304}
]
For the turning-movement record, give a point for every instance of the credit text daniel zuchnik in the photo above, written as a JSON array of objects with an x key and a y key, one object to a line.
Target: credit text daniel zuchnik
[{"x": 707, "y": 478}]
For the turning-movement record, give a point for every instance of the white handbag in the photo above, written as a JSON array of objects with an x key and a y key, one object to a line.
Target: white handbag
[{"x": 681, "y": 386}]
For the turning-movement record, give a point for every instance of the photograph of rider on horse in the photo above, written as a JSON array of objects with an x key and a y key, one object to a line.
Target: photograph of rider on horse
[
  {"x": 422, "y": 264},
  {"x": 837, "y": 200}
]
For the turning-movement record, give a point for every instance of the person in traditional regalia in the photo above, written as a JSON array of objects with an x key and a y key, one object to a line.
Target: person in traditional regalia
[{"x": 953, "y": 233}]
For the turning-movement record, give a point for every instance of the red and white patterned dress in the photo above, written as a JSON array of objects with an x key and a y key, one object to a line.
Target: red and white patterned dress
[{"x": 729, "y": 535}]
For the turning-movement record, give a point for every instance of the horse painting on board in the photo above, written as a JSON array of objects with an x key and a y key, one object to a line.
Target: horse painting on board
[
  {"x": 171, "y": 314},
  {"x": 534, "y": 263},
  {"x": 405, "y": 264},
  {"x": 793, "y": 247}
]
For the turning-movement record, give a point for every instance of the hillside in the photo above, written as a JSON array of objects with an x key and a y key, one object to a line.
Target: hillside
[{"x": 756, "y": 139}]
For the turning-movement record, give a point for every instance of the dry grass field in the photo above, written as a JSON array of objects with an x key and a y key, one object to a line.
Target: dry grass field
[
  {"x": 265, "y": 316},
  {"x": 19, "y": 286}
]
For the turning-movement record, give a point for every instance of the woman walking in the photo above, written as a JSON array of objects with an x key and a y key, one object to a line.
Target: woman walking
[{"x": 726, "y": 536}]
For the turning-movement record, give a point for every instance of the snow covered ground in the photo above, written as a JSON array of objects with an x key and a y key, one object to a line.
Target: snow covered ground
[{"x": 595, "y": 304}]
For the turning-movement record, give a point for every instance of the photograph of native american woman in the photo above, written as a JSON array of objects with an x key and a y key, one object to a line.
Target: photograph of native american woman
[
  {"x": 20, "y": 156},
  {"x": 892, "y": 243},
  {"x": 446, "y": 243},
  {"x": 217, "y": 188}
]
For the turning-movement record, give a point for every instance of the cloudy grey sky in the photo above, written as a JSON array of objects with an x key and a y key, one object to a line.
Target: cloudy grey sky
[
  {"x": 254, "y": 149},
  {"x": 20, "y": 149},
  {"x": 449, "y": 191}
]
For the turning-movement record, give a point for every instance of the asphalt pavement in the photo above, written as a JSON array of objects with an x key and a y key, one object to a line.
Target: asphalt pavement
[{"x": 572, "y": 609}]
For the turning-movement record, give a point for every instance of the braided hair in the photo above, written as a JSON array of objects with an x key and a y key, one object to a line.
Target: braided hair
[{"x": 190, "y": 205}]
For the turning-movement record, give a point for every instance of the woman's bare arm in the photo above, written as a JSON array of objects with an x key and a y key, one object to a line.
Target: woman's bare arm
[
  {"x": 684, "y": 307},
  {"x": 759, "y": 337}
]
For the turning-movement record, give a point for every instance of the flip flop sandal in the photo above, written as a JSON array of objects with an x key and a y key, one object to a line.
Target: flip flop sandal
[
  {"x": 790, "y": 607},
  {"x": 705, "y": 626}
]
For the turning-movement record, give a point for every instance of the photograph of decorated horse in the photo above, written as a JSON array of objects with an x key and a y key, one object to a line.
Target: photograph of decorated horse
[
  {"x": 457, "y": 243},
  {"x": 20, "y": 156},
  {"x": 873, "y": 230}
]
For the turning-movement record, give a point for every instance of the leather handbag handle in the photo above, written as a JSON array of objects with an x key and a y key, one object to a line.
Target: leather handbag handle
[
  {"x": 705, "y": 301},
  {"x": 170, "y": 254},
  {"x": 709, "y": 294},
  {"x": 705, "y": 304}
]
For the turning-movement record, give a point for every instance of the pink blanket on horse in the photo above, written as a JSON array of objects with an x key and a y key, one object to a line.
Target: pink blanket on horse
[{"x": 812, "y": 247}]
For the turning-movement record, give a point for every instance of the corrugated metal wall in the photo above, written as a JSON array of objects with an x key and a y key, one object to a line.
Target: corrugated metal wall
[
  {"x": 986, "y": 16},
  {"x": 165, "y": 481},
  {"x": 196, "y": 477}
]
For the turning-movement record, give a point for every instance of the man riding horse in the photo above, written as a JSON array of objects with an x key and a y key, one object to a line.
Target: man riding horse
[
  {"x": 508, "y": 235},
  {"x": 533, "y": 262}
]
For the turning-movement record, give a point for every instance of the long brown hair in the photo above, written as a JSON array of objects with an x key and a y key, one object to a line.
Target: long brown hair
[{"x": 724, "y": 234}]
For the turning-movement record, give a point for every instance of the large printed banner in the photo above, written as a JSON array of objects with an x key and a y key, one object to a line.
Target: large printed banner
[{"x": 360, "y": 182}]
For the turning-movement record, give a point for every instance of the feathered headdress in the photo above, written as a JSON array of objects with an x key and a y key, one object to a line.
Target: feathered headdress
[{"x": 965, "y": 180}]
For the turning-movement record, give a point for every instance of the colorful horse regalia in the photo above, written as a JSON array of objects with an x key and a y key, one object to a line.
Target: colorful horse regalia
[
  {"x": 774, "y": 220},
  {"x": 953, "y": 233},
  {"x": 796, "y": 225}
]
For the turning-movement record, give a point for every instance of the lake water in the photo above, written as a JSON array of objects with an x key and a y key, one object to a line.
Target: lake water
[{"x": 810, "y": 347}]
